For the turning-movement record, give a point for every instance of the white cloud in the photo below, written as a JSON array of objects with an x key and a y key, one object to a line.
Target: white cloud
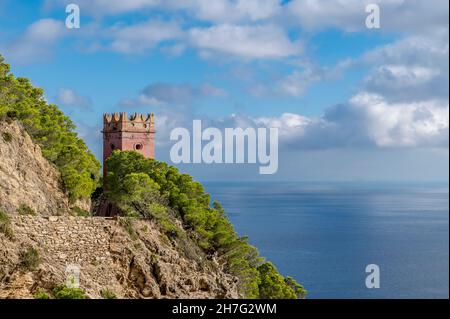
[
  {"x": 400, "y": 82},
  {"x": 248, "y": 42},
  {"x": 174, "y": 50},
  {"x": 167, "y": 94},
  {"x": 347, "y": 14},
  {"x": 367, "y": 120},
  {"x": 404, "y": 76},
  {"x": 105, "y": 7},
  {"x": 68, "y": 97},
  {"x": 37, "y": 43},
  {"x": 289, "y": 124},
  {"x": 296, "y": 83},
  {"x": 140, "y": 37},
  {"x": 402, "y": 103},
  {"x": 411, "y": 69},
  {"x": 409, "y": 16},
  {"x": 255, "y": 29},
  {"x": 423, "y": 123},
  {"x": 427, "y": 50},
  {"x": 204, "y": 10},
  {"x": 396, "y": 15},
  {"x": 207, "y": 89},
  {"x": 221, "y": 11},
  {"x": 299, "y": 80}
]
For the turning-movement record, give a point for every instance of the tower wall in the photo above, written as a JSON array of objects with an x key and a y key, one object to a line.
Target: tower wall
[{"x": 135, "y": 133}]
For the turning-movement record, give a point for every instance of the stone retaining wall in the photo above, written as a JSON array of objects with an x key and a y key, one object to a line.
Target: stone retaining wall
[{"x": 71, "y": 239}]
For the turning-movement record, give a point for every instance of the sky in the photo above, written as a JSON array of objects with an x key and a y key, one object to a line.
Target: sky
[{"x": 350, "y": 103}]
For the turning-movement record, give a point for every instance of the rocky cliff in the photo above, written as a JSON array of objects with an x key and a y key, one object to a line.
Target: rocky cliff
[
  {"x": 26, "y": 177},
  {"x": 145, "y": 264},
  {"x": 127, "y": 258}
]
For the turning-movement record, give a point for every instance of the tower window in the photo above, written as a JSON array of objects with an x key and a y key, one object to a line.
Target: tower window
[
  {"x": 113, "y": 147},
  {"x": 138, "y": 147}
]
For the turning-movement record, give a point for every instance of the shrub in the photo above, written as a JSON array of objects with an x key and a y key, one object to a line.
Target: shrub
[
  {"x": 7, "y": 137},
  {"x": 107, "y": 294},
  {"x": 169, "y": 228},
  {"x": 77, "y": 211},
  {"x": 299, "y": 290},
  {"x": 148, "y": 188},
  {"x": 64, "y": 292},
  {"x": 5, "y": 225},
  {"x": 127, "y": 224},
  {"x": 30, "y": 259},
  {"x": 41, "y": 294},
  {"x": 25, "y": 210},
  {"x": 52, "y": 130},
  {"x": 273, "y": 286}
]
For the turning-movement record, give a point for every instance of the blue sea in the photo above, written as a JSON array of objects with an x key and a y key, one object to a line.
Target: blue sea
[{"x": 325, "y": 234}]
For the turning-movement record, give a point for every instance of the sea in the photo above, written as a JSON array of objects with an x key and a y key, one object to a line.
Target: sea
[{"x": 326, "y": 234}]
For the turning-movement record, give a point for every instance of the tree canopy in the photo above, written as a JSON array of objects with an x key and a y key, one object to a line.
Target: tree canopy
[
  {"x": 141, "y": 187},
  {"x": 51, "y": 130},
  {"x": 145, "y": 187}
]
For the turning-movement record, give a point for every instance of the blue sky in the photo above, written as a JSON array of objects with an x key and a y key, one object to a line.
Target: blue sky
[{"x": 351, "y": 103}]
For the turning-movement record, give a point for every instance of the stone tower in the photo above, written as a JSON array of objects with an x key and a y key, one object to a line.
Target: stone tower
[{"x": 136, "y": 133}]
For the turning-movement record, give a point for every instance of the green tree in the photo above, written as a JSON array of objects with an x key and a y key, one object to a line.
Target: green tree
[
  {"x": 64, "y": 292},
  {"x": 146, "y": 187},
  {"x": 52, "y": 130},
  {"x": 299, "y": 290},
  {"x": 273, "y": 286}
]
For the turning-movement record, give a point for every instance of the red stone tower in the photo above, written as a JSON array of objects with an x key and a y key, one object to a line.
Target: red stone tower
[{"x": 136, "y": 133}]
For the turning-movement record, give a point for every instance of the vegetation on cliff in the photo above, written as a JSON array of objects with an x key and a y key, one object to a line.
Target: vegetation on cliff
[
  {"x": 153, "y": 189},
  {"x": 5, "y": 225},
  {"x": 140, "y": 187},
  {"x": 52, "y": 130}
]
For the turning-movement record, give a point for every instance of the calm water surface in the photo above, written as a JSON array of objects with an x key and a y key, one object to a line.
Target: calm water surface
[{"x": 324, "y": 235}]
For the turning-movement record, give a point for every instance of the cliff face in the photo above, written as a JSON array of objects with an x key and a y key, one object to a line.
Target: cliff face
[
  {"x": 26, "y": 177},
  {"x": 128, "y": 258},
  {"x": 145, "y": 265}
]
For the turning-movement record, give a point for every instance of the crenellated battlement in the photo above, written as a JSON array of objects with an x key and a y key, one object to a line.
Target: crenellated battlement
[
  {"x": 128, "y": 133},
  {"x": 137, "y": 122}
]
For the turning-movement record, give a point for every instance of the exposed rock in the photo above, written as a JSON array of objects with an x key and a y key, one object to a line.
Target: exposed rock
[
  {"x": 148, "y": 267},
  {"x": 26, "y": 177}
]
